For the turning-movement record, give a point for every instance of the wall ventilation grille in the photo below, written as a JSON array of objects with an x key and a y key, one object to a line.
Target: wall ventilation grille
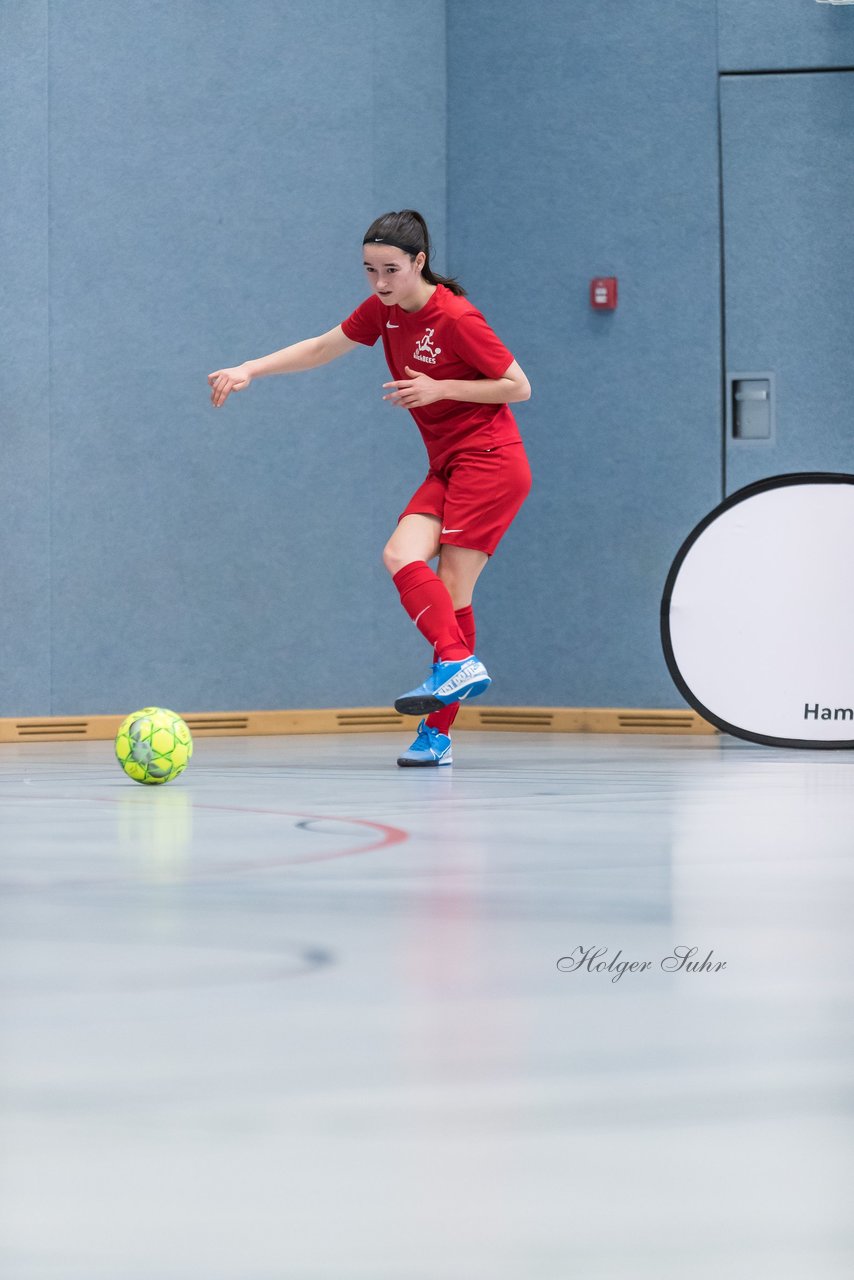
[
  {"x": 52, "y": 728},
  {"x": 513, "y": 718},
  {"x": 656, "y": 722},
  {"x": 217, "y": 724},
  {"x": 369, "y": 720}
]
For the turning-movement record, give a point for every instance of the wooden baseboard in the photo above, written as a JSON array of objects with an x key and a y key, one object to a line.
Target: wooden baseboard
[{"x": 367, "y": 720}]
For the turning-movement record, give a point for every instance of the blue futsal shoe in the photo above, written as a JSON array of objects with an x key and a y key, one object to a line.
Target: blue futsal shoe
[
  {"x": 450, "y": 682},
  {"x": 430, "y": 747}
]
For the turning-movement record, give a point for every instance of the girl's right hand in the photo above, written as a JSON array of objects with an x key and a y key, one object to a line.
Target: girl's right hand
[{"x": 224, "y": 381}]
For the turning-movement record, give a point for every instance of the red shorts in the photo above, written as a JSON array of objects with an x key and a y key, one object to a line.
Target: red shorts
[{"x": 476, "y": 496}]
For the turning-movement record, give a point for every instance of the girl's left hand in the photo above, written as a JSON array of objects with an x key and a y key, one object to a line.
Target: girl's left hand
[{"x": 415, "y": 391}]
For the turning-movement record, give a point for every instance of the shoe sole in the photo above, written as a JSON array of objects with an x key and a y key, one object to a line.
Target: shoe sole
[
  {"x": 422, "y": 764},
  {"x": 417, "y": 706},
  {"x": 422, "y": 704}
]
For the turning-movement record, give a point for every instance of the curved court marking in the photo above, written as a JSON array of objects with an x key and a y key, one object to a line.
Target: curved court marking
[{"x": 390, "y": 835}]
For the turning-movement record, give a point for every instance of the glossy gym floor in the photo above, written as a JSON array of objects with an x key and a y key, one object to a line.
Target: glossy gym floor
[{"x": 303, "y": 1015}]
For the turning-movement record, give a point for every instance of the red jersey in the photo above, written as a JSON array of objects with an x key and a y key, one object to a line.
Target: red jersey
[{"x": 447, "y": 338}]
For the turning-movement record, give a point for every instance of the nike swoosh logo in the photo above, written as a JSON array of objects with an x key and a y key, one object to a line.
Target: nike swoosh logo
[
  {"x": 423, "y": 611},
  {"x": 452, "y": 530},
  {"x": 392, "y": 326}
]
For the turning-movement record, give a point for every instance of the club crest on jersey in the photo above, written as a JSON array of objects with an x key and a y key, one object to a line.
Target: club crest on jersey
[{"x": 424, "y": 349}]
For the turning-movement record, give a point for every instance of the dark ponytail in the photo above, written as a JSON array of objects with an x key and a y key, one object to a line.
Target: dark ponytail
[{"x": 407, "y": 230}]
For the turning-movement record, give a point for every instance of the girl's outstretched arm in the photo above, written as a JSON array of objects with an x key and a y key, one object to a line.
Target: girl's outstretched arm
[{"x": 293, "y": 359}]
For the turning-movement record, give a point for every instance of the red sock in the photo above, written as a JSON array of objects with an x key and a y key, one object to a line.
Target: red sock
[
  {"x": 427, "y": 601},
  {"x": 442, "y": 720}
]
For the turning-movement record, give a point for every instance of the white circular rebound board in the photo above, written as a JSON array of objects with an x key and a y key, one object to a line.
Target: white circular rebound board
[{"x": 757, "y": 617}]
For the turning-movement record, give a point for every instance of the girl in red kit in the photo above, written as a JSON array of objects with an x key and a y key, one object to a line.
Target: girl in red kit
[{"x": 457, "y": 379}]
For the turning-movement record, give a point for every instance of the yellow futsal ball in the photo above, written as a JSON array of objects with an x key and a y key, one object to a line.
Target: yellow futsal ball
[{"x": 153, "y": 745}]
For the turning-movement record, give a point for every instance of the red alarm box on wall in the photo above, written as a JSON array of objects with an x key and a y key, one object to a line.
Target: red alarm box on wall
[{"x": 603, "y": 293}]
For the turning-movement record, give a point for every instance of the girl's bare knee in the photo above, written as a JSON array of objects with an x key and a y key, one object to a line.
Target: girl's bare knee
[
  {"x": 392, "y": 559},
  {"x": 415, "y": 538}
]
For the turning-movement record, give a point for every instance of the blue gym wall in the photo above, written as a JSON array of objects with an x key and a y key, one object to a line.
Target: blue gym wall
[
  {"x": 608, "y": 168},
  {"x": 189, "y": 186},
  {"x": 186, "y": 185},
  {"x": 25, "y": 636}
]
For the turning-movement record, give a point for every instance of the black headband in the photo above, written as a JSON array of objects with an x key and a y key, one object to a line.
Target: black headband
[{"x": 412, "y": 250}]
